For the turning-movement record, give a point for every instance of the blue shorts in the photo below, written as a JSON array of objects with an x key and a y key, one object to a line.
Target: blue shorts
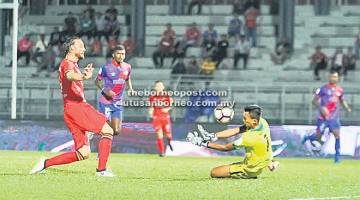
[
  {"x": 332, "y": 124},
  {"x": 111, "y": 111}
]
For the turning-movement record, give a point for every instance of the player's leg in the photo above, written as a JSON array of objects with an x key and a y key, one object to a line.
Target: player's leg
[
  {"x": 104, "y": 147},
  {"x": 160, "y": 141},
  {"x": 336, "y": 133},
  {"x": 96, "y": 122},
  {"x": 116, "y": 119},
  {"x": 82, "y": 151},
  {"x": 320, "y": 129},
  {"x": 159, "y": 136},
  {"x": 166, "y": 128},
  {"x": 334, "y": 127},
  {"x": 221, "y": 172},
  {"x": 235, "y": 170}
]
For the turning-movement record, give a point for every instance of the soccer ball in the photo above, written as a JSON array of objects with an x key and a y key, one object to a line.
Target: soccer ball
[{"x": 223, "y": 114}]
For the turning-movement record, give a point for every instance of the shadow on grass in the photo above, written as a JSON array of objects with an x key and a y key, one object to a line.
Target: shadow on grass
[
  {"x": 64, "y": 171},
  {"x": 47, "y": 172},
  {"x": 14, "y": 174}
]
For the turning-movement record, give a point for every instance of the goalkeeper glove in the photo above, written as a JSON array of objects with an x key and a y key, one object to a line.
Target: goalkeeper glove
[
  {"x": 194, "y": 138},
  {"x": 206, "y": 135}
]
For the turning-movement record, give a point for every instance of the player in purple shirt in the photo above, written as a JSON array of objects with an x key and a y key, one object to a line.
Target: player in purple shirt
[
  {"x": 328, "y": 99},
  {"x": 112, "y": 80}
]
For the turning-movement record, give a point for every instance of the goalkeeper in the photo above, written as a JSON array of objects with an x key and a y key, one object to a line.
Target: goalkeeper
[{"x": 255, "y": 139}]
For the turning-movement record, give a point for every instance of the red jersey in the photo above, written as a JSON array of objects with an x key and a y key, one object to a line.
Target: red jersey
[
  {"x": 72, "y": 91},
  {"x": 158, "y": 103}
]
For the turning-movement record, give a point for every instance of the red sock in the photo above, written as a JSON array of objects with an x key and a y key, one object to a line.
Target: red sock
[
  {"x": 62, "y": 159},
  {"x": 160, "y": 144},
  {"x": 104, "y": 152}
]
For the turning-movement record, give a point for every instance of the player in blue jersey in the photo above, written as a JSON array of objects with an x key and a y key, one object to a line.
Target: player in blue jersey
[
  {"x": 328, "y": 99},
  {"x": 112, "y": 79}
]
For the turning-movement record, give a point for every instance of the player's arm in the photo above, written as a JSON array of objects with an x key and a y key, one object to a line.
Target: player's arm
[
  {"x": 129, "y": 86},
  {"x": 221, "y": 147},
  {"x": 99, "y": 83},
  {"x": 231, "y": 132},
  {"x": 167, "y": 109},
  {"x": 345, "y": 105},
  {"x": 151, "y": 111},
  {"x": 222, "y": 134},
  {"x": 87, "y": 74},
  {"x": 196, "y": 139},
  {"x": 316, "y": 102}
]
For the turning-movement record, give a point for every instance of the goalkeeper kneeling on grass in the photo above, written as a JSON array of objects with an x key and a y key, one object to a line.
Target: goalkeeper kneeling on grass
[{"x": 255, "y": 139}]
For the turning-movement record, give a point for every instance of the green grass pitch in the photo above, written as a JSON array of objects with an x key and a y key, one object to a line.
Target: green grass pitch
[{"x": 151, "y": 177}]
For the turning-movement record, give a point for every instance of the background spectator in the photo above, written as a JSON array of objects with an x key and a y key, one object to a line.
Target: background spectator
[
  {"x": 211, "y": 32},
  {"x": 96, "y": 47},
  {"x": 337, "y": 62},
  {"x": 237, "y": 7},
  {"x": 87, "y": 26},
  {"x": 252, "y": 3},
  {"x": 169, "y": 32},
  {"x": 40, "y": 49},
  {"x": 56, "y": 37},
  {"x": 319, "y": 61},
  {"x": 208, "y": 66},
  {"x": 235, "y": 26},
  {"x": 113, "y": 42},
  {"x": 100, "y": 25},
  {"x": 70, "y": 24},
  {"x": 179, "y": 51},
  {"x": 24, "y": 49},
  {"x": 192, "y": 35},
  {"x": 112, "y": 28},
  {"x": 221, "y": 50},
  {"x": 250, "y": 21},
  {"x": 193, "y": 3},
  {"x": 208, "y": 46},
  {"x": 48, "y": 62},
  {"x": 165, "y": 49},
  {"x": 129, "y": 45},
  {"x": 349, "y": 61},
  {"x": 241, "y": 51},
  {"x": 90, "y": 10},
  {"x": 111, "y": 11},
  {"x": 179, "y": 68},
  {"x": 193, "y": 66},
  {"x": 282, "y": 50}
]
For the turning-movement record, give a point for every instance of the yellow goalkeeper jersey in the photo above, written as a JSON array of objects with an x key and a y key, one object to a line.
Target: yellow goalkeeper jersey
[{"x": 257, "y": 144}]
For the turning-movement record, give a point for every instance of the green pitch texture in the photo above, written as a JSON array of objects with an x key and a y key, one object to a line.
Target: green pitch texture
[{"x": 145, "y": 177}]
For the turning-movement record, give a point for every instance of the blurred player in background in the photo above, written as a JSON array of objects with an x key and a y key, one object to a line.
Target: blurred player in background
[
  {"x": 328, "y": 98},
  {"x": 111, "y": 80},
  {"x": 160, "y": 113},
  {"x": 255, "y": 139},
  {"x": 79, "y": 116}
]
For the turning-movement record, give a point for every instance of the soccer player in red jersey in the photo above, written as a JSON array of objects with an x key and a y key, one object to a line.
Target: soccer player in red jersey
[
  {"x": 79, "y": 116},
  {"x": 159, "y": 111}
]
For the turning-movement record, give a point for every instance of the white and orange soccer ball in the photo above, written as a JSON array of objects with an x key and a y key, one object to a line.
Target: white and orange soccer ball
[{"x": 223, "y": 114}]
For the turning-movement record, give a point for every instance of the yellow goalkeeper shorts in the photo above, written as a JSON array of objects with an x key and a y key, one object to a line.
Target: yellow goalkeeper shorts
[{"x": 241, "y": 170}]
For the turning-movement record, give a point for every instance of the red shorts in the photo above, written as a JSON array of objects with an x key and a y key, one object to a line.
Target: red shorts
[
  {"x": 162, "y": 124},
  {"x": 82, "y": 117}
]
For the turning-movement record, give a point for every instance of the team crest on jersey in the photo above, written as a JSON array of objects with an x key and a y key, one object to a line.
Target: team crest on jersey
[
  {"x": 125, "y": 73},
  {"x": 112, "y": 73}
]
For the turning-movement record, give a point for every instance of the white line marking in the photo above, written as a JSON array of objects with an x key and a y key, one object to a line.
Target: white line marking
[{"x": 326, "y": 198}]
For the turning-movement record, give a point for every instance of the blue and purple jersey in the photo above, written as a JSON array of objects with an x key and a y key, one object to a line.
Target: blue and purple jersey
[
  {"x": 114, "y": 77},
  {"x": 330, "y": 97}
]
